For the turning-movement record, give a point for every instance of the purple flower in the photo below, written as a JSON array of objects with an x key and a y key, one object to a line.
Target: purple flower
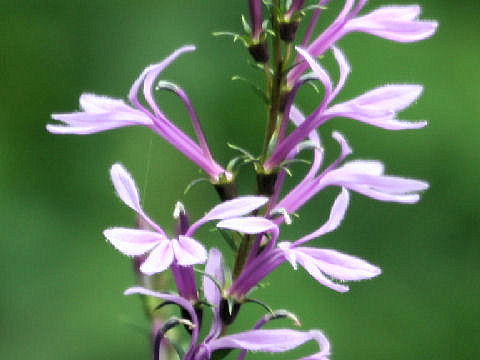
[
  {"x": 255, "y": 7},
  {"x": 101, "y": 113},
  {"x": 322, "y": 264},
  {"x": 397, "y": 23},
  {"x": 363, "y": 176},
  {"x": 378, "y": 107},
  {"x": 294, "y": 7},
  {"x": 273, "y": 341},
  {"x": 182, "y": 250}
]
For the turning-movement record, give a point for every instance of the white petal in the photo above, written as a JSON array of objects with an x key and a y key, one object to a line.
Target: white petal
[
  {"x": 132, "y": 241},
  {"x": 188, "y": 251},
  {"x": 248, "y": 225},
  {"x": 159, "y": 259}
]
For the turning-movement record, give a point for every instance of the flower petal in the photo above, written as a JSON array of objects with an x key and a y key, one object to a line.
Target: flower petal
[
  {"x": 274, "y": 341},
  {"x": 100, "y": 113},
  {"x": 132, "y": 241},
  {"x": 319, "y": 72},
  {"x": 370, "y": 182},
  {"x": 157, "y": 68},
  {"x": 311, "y": 267},
  {"x": 337, "y": 213},
  {"x": 125, "y": 187},
  {"x": 397, "y": 23},
  {"x": 344, "y": 67},
  {"x": 229, "y": 209},
  {"x": 177, "y": 300},
  {"x": 159, "y": 259},
  {"x": 188, "y": 251},
  {"x": 248, "y": 225},
  {"x": 378, "y": 107},
  {"x": 214, "y": 267},
  {"x": 338, "y": 265}
]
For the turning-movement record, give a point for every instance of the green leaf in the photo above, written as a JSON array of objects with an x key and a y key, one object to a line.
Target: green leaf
[
  {"x": 233, "y": 162},
  {"x": 246, "y": 25},
  {"x": 261, "y": 303},
  {"x": 235, "y": 36},
  {"x": 243, "y": 151},
  {"x": 193, "y": 183},
  {"x": 215, "y": 281}
]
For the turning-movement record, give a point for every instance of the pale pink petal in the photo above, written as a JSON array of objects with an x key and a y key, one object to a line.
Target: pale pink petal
[
  {"x": 344, "y": 67},
  {"x": 100, "y": 113},
  {"x": 248, "y": 225},
  {"x": 99, "y": 104},
  {"x": 338, "y": 265},
  {"x": 397, "y": 23},
  {"x": 310, "y": 266},
  {"x": 319, "y": 72},
  {"x": 382, "y": 196},
  {"x": 214, "y": 267},
  {"x": 125, "y": 187},
  {"x": 233, "y": 208},
  {"x": 274, "y": 341},
  {"x": 159, "y": 259},
  {"x": 157, "y": 68},
  {"x": 290, "y": 255},
  {"x": 337, "y": 213},
  {"x": 378, "y": 107},
  {"x": 372, "y": 167},
  {"x": 128, "y": 193},
  {"x": 345, "y": 148},
  {"x": 391, "y": 184},
  {"x": 132, "y": 241},
  {"x": 188, "y": 251}
]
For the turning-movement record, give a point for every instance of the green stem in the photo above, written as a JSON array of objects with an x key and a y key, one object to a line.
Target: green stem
[
  {"x": 242, "y": 255},
  {"x": 276, "y": 82}
]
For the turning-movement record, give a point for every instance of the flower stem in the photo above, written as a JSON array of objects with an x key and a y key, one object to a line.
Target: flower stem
[{"x": 276, "y": 83}]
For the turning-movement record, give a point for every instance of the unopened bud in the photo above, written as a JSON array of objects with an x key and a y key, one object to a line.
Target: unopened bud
[
  {"x": 288, "y": 30},
  {"x": 229, "y": 310},
  {"x": 259, "y": 52}
]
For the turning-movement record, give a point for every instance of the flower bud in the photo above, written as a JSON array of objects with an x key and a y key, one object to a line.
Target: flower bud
[
  {"x": 229, "y": 310},
  {"x": 259, "y": 52}
]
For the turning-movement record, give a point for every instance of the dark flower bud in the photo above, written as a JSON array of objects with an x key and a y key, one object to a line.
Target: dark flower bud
[
  {"x": 227, "y": 191},
  {"x": 259, "y": 52},
  {"x": 288, "y": 30},
  {"x": 228, "y": 311},
  {"x": 266, "y": 183}
]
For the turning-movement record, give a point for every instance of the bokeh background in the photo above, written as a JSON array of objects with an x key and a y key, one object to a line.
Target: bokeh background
[{"x": 61, "y": 284}]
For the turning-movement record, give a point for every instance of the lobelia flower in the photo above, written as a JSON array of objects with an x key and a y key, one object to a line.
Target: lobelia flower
[
  {"x": 377, "y": 107},
  {"x": 273, "y": 341},
  {"x": 182, "y": 250},
  {"x": 101, "y": 113},
  {"x": 396, "y": 23},
  {"x": 363, "y": 176},
  {"x": 321, "y": 264}
]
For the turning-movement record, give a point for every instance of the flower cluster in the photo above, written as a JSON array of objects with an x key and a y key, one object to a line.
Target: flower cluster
[{"x": 253, "y": 223}]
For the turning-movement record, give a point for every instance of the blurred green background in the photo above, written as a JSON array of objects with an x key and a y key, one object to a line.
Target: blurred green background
[{"x": 61, "y": 283}]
